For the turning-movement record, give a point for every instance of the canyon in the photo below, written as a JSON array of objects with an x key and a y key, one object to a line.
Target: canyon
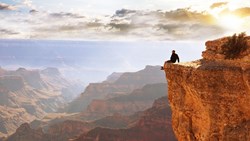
[
  {"x": 116, "y": 111},
  {"x": 124, "y": 84},
  {"x": 26, "y": 95},
  {"x": 137, "y": 100},
  {"x": 154, "y": 124}
]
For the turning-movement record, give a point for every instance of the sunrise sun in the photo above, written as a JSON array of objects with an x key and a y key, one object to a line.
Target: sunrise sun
[{"x": 230, "y": 21}]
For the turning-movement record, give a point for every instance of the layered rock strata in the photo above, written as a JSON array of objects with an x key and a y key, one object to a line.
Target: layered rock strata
[
  {"x": 210, "y": 98},
  {"x": 154, "y": 125}
]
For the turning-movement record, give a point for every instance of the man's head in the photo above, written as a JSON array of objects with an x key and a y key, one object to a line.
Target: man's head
[{"x": 173, "y": 51}]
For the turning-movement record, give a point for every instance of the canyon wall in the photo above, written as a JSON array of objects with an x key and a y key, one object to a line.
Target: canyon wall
[
  {"x": 210, "y": 98},
  {"x": 153, "y": 125},
  {"x": 29, "y": 94},
  {"x": 123, "y": 84}
]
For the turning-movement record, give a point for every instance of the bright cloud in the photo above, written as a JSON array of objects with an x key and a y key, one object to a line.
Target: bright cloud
[
  {"x": 218, "y": 5},
  {"x": 4, "y": 6},
  {"x": 40, "y": 21}
]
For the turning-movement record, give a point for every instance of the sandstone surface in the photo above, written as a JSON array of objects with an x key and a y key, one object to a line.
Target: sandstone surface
[{"x": 210, "y": 98}]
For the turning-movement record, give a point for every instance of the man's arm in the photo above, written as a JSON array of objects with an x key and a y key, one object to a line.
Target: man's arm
[{"x": 178, "y": 58}]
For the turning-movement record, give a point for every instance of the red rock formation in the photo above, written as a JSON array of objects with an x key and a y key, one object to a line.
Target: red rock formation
[
  {"x": 65, "y": 130},
  {"x": 210, "y": 97},
  {"x": 118, "y": 121},
  {"x": 154, "y": 125},
  {"x": 11, "y": 118},
  {"x": 57, "y": 132},
  {"x": 138, "y": 100},
  {"x": 25, "y": 133},
  {"x": 122, "y": 86},
  {"x": 28, "y": 94}
]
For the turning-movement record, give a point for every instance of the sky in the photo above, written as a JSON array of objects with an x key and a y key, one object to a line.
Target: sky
[
  {"x": 92, "y": 61},
  {"x": 123, "y": 20},
  {"x": 125, "y": 35}
]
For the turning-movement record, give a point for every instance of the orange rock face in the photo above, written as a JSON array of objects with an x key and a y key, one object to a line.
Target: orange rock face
[
  {"x": 154, "y": 125},
  {"x": 138, "y": 100},
  {"x": 214, "y": 50},
  {"x": 210, "y": 98}
]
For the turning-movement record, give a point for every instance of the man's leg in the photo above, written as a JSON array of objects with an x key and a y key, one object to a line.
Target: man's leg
[{"x": 164, "y": 66}]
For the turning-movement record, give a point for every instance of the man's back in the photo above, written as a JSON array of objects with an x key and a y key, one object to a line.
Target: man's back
[{"x": 174, "y": 57}]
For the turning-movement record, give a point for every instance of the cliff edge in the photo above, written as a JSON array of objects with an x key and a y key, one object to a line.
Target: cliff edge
[{"x": 210, "y": 98}]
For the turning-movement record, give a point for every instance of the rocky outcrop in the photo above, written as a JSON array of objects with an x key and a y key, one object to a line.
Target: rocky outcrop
[
  {"x": 65, "y": 129},
  {"x": 64, "y": 126},
  {"x": 12, "y": 83},
  {"x": 25, "y": 133},
  {"x": 154, "y": 125},
  {"x": 138, "y": 100},
  {"x": 68, "y": 88},
  {"x": 29, "y": 94},
  {"x": 124, "y": 85},
  {"x": 68, "y": 129},
  {"x": 151, "y": 124},
  {"x": 215, "y": 50},
  {"x": 17, "y": 88},
  {"x": 58, "y": 132},
  {"x": 31, "y": 77},
  {"x": 11, "y": 118},
  {"x": 118, "y": 121},
  {"x": 210, "y": 98},
  {"x": 113, "y": 77}
]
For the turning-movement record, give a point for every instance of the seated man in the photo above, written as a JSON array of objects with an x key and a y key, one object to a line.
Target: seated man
[{"x": 173, "y": 59}]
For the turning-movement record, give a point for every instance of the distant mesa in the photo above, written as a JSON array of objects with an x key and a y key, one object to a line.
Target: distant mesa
[
  {"x": 12, "y": 83},
  {"x": 29, "y": 94},
  {"x": 138, "y": 100},
  {"x": 124, "y": 84},
  {"x": 51, "y": 71},
  {"x": 118, "y": 108},
  {"x": 21, "y": 70},
  {"x": 113, "y": 77}
]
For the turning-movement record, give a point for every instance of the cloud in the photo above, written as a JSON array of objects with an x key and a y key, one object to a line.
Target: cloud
[
  {"x": 187, "y": 15},
  {"x": 94, "y": 24},
  {"x": 33, "y": 11},
  {"x": 218, "y": 4},
  {"x": 7, "y": 32},
  {"x": 120, "y": 27},
  {"x": 186, "y": 31},
  {"x": 123, "y": 12},
  {"x": 65, "y": 15},
  {"x": 124, "y": 24},
  {"x": 179, "y": 24},
  {"x": 4, "y": 6},
  {"x": 27, "y": 3},
  {"x": 242, "y": 12}
]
